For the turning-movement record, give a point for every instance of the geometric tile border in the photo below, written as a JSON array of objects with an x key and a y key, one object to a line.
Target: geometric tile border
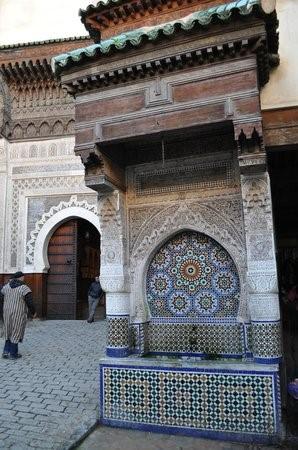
[
  {"x": 190, "y": 339},
  {"x": 266, "y": 339},
  {"x": 118, "y": 331},
  {"x": 239, "y": 403},
  {"x": 118, "y": 336}
]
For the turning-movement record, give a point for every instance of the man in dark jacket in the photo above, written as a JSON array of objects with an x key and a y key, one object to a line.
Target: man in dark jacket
[
  {"x": 94, "y": 294},
  {"x": 17, "y": 301}
]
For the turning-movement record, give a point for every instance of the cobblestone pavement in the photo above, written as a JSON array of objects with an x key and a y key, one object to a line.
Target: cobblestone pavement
[
  {"x": 50, "y": 396},
  {"x": 104, "y": 438}
]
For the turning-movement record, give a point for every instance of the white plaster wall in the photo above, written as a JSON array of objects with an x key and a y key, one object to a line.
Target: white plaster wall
[
  {"x": 35, "y": 20},
  {"x": 51, "y": 170},
  {"x": 282, "y": 89}
]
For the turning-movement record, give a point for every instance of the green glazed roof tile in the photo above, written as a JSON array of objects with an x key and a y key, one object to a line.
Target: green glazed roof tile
[
  {"x": 137, "y": 37},
  {"x": 104, "y": 3}
]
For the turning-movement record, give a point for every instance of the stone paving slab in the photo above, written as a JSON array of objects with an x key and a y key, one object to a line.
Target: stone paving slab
[
  {"x": 105, "y": 438},
  {"x": 49, "y": 397}
]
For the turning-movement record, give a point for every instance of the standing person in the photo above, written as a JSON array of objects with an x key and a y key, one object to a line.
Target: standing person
[
  {"x": 17, "y": 301},
  {"x": 94, "y": 293}
]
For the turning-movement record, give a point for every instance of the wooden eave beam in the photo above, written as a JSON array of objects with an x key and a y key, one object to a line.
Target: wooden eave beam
[
  {"x": 5, "y": 72},
  {"x": 47, "y": 69},
  {"x": 27, "y": 71},
  {"x": 129, "y": 10},
  {"x": 21, "y": 74},
  {"x": 177, "y": 62},
  {"x": 32, "y": 70},
  {"x": 13, "y": 72},
  {"x": 159, "y": 5}
]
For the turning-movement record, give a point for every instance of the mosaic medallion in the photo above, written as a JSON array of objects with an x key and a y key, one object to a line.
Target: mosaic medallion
[{"x": 190, "y": 276}]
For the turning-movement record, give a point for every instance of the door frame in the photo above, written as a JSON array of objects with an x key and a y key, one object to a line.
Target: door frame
[{"x": 41, "y": 262}]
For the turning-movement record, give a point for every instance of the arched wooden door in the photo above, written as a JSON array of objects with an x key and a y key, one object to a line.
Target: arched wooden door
[
  {"x": 74, "y": 259},
  {"x": 62, "y": 275}
]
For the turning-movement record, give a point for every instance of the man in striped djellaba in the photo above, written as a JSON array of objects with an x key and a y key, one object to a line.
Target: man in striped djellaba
[{"x": 17, "y": 302}]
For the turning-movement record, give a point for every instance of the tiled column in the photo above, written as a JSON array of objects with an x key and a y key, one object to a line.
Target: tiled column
[
  {"x": 117, "y": 324},
  {"x": 263, "y": 299},
  {"x": 113, "y": 273}
]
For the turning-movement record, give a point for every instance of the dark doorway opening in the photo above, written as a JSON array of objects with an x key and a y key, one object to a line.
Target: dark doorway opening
[
  {"x": 283, "y": 168},
  {"x": 88, "y": 265},
  {"x": 74, "y": 258}
]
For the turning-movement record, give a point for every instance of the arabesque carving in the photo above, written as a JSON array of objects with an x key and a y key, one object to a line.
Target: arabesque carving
[
  {"x": 255, "y": 193},
  {"x": 40, "y": 223},
  {"x": 114, "y": 252},
  {"x": 262, "y": 282},
  {"x": 41, "y": 185}
]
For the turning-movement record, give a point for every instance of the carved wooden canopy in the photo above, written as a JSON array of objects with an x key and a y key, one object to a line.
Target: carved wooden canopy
[{"x": 202, "y": 69}]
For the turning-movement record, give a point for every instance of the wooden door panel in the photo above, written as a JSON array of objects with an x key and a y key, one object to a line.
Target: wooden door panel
[
  {"x": 65, "y": 229},
  {"x": 63, "y": 299},
  {"x": 62, "y": 239},
  {"x": 61, "y": 269},
  {"x": 60, "y": 289},
  {"x": 61, "y": 281},
  {"x": 60, "y": 278},
  {"x": 60, "y": 260},
  {"x": 60, "y": 249}
]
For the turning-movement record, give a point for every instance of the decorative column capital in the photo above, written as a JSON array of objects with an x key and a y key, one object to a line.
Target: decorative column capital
[
  {"x": 114, "y": 283},
  {"x": 262, "y": 282}
]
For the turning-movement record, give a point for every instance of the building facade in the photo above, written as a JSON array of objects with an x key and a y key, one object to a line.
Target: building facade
[
  {"x": 42, "y": 181},
  {"x": 171, "y": 136}
]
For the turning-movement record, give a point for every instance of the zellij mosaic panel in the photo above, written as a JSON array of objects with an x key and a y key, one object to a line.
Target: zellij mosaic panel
[
  {"x": 192, "y": 276},
  {"x": 226, "y": 402}
]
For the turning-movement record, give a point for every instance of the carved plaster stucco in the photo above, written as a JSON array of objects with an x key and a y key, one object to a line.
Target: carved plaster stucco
[
  {"x": 114, "y": 252},
  {"x": 3, "y": 184},
  {"x": 64, "y": 205},
  {"x": 208, "y": 174},
  {"x": 49, "y": 149},
  {"x": 230, "y": 207},
  {"x": 262, "y": 273},
  {"x": 197, "y": 216},
  {"x": 17, "y": 205},
  {"x": 3, "y": 149},
  {"x": 258, "y": 221}
]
